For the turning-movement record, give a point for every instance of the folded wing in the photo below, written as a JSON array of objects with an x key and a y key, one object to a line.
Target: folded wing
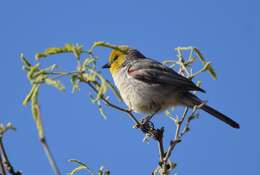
[{"x": 151, "y": 71}]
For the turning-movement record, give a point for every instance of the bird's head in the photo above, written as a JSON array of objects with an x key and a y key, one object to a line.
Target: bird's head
[
  {"x": 116, "y": 59},
  {"x": 119, "y": 56}
]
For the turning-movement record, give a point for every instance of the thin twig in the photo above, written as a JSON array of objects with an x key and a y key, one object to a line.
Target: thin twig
[
  {"x": 50, "y": 156},
  {"x": 131, "y": 115},
  {"x": 205, "y": 67},
  {"x": 177, "y": 137},
  {"x": 161, "y": 149},
  {"x": 62, "y": 74},
  {"x": 5, "y": 163},
  {"x": 2, "y": 168},
  {"x": 186, "y": 127}
]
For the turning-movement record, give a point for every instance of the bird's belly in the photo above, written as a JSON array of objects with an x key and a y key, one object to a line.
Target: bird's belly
[{"x": 143, "y": 97}]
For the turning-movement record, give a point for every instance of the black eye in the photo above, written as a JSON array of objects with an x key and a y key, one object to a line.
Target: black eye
[{"x": 115, "y": 58}]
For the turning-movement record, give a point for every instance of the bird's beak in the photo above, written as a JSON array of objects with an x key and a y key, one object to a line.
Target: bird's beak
[{"x": 106, "y": 66}]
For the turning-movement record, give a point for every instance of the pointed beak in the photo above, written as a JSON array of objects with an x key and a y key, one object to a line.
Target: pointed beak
[{"x": 106, "y": 66}]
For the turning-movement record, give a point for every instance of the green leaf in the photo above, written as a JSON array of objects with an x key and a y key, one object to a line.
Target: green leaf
[
  {"x": 10, "y": 126},
  {"x": 77, "y": 50},
  {"x": 172, "y": 165},
  {"x": 186, "y": 129},
  {"x": 50, "y": 68},
  {"x": 103, "y": 86},
  {"x": 45, "y": 70},
  {"x": 26, "y": 63},
  {"x": 68, "y": 48},
  {"x": 80, "y": 167},
  {"x": 54, "y": 83},
  {"x": 36, "y": 113},
  {"x": 5, "y": 128},
  {"x": 121, "y": 48},
  {"x": 199, "y": 83},
  {"x": 88, "y": 61},
  {"x": 103, "y": 171},
  {"x": 37, "y": 118},
  {"x": 101, "y": 111},
  {"x": 33, "y": 69},
  {"x": 204, "y": 62},
  {"x": 187, "y": 48},
  {"x": 192, "y": 117},
  {"x": 89, "y": 77},
  {"x": 169, "y": 63},
  {"x": 172, "y": 117},
  {"x": 30, "y": 94},
  {"x": 75, "y": 83},
  {"x": 78, "y": 162},
  {"x": 76, "y": 170}
]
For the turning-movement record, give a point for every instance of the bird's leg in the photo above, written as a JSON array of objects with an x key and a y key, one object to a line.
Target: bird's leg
[
  {"x": 150, "y": 116},
  {"x": 146, "y": 124},
  {"x": 130, "y": 110}
]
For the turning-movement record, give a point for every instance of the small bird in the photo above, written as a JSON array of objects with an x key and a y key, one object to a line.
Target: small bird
[{"x": 148, "y": 86}]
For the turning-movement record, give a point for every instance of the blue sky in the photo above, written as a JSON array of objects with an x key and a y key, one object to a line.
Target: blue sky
[{"x": 227, "y": 32}]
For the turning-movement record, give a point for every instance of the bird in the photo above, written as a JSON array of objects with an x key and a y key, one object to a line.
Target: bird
[{"x": 148, "y": 86}]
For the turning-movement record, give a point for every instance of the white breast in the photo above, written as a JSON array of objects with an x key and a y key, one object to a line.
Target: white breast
[{"x": 140, "y": 96}]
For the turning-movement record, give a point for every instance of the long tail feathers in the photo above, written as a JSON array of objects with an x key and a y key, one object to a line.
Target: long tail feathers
[
  {"x": 220, "y": 116},
  {"x": 190, "y": 100}
]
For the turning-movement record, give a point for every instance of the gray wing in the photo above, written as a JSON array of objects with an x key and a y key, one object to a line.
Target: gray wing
[{"x": 153, "y": 72}]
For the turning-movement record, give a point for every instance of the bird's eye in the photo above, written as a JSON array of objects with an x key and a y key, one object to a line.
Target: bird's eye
[{"x": 115, "y": 58}]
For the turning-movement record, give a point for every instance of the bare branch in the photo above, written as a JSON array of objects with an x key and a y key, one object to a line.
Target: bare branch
[
  {"x": 177, "y": 138},
  {"x": 5, "y": 163},
  {"x": 2, "y": 169},
  {"x": 160, "y": 144},
  {"x": 50, "y": 156}
]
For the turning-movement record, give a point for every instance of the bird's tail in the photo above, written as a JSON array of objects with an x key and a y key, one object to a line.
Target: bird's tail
[
  {"x": 191, "y": 100},
  {"x": 220, "y": 116}
]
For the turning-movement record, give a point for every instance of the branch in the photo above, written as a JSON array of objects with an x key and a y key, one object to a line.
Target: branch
[
  {"x": 177, "y": 137},
  {"x": 50, "y": 156},
  {"x": 2, "y": 169},
  {"x": 131, "y": 115},
  {"x": 160, "y": 144},
  {"x": 5, "y": 163}
]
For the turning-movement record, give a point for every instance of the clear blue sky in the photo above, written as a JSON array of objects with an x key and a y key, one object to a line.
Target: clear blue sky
[{"x": 227, "y": 32}]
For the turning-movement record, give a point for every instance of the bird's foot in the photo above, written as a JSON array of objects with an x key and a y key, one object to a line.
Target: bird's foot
[{"x": 145, "y": 125}]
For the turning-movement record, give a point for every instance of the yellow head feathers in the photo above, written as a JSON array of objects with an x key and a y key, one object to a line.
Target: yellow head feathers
[{"x": 117, "y": 58}]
